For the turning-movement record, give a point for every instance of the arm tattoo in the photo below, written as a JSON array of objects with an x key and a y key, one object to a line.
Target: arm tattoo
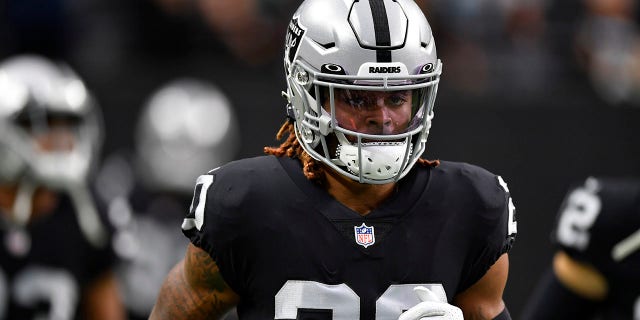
[
  {"x": 204, "y": 271},
  {"x": 194, "y": 289}
]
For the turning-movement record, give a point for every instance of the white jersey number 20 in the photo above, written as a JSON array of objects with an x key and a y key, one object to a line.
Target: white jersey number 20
[{"x": 342, "y": 302}]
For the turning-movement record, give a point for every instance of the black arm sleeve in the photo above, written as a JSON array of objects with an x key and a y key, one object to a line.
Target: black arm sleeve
[{"x": 552, "y": 300}]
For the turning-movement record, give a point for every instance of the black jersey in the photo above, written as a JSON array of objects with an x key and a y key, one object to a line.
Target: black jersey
[
  {"x": 289, "y": 249},
  {"x": 45, "y": 266},
  {"x": 599, "y": 223}
]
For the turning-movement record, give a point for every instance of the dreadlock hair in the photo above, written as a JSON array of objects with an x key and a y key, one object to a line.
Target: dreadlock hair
[
  {"x": 292, "y": 149},
  {"x": 312, "y": 169}
]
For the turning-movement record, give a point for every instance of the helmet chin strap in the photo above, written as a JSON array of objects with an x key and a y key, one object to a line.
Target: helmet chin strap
[
  {"x": 84, "y": 205},
  {"x": 380, "y": 160},
  {"x": 87, "y": 215},
  {"x": 22, "y": 205}
]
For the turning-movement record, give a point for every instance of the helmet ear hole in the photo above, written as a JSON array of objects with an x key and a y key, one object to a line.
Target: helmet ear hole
[
  {"x": 332, "y": 68},
  {"x": 427, "y": 68}
]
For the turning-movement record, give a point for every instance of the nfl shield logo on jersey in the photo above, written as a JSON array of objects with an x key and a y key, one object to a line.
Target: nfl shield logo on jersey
[{"x": 364, "y": 235}]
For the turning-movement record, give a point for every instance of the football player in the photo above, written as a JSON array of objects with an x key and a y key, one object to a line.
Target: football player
[
  {"x": 55, "y": 258},
  {"x": 595, "y": 273},
  {"x": 148, "y": 189},
  {"x": 344, "y": 220}
]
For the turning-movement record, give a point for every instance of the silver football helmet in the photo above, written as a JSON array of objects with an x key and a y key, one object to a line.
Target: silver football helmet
[
  {"x": 362, "y": 78},
  {"x": 34, "y": 92},
  {"x": 187, "y": 127},
  {"x": 51, "y": 135}
]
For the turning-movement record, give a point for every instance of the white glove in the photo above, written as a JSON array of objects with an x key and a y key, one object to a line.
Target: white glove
[{"x": 431, "y": 308}]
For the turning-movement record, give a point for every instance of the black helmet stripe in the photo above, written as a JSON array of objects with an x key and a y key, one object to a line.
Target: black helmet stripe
[{"x": 381, "y": 28}]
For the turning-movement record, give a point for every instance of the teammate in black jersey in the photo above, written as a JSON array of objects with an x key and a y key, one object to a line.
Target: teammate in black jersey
[
  {"x": 344, "y": 220},
  {"x": 55, "y": 258},
  {"x": 148, "y": 188},
  {"x": 596, "y": 271}
]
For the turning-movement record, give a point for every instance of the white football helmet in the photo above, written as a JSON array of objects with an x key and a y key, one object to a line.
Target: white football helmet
[
  {"x": 187, "y": 127},
  {"x": 355, "y": 53},
  {"x": 33, "y": 91}
]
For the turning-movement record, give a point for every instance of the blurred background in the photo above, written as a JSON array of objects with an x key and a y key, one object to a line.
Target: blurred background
[{"x": 541, "y": 92}]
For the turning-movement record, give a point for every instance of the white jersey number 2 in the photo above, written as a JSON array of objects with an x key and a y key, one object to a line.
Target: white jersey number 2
[
  {"x": 36, "y": 285},
  {"x": 580, "y": 213}
]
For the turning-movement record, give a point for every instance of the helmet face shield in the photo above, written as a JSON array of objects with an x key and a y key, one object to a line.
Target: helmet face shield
[
  {"x": 361, "y": 92},
  {"x": 372, "y": 129},
  {"x": 58, "y": 148},
  {"x": 376, "y": 115}
]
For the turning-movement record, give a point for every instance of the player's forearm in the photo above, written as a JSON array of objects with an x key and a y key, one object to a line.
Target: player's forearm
[
  {"x": 483, "y": 300},
  {"x": 178, "y": 300}
]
